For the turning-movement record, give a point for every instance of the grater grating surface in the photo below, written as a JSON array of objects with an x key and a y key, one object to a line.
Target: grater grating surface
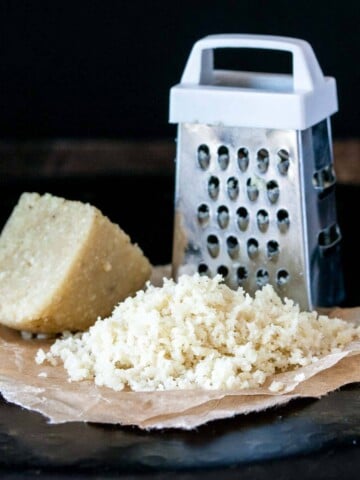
[{"x": 228, "y": 218}]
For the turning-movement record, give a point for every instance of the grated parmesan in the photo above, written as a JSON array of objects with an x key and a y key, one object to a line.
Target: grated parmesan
[{"x": 198, "y": 333}]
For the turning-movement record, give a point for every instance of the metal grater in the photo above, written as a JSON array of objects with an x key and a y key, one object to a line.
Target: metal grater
[{"x": 254, "y": 196}]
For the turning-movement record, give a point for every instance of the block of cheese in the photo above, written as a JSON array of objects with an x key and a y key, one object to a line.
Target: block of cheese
[{"x": 63, "y": 264}]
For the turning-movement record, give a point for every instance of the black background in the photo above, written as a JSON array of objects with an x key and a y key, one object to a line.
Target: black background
[{"x": 104, "y": 68}]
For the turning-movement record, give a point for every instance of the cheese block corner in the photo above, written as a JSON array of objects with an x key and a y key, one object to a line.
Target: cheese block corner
[{"x": 63, "y": 264}]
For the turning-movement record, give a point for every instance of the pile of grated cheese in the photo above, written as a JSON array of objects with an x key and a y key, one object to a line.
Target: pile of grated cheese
[{"x": 198, "y": 333}]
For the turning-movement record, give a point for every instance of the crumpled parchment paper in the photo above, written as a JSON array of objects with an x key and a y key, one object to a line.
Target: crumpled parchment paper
[{"x": 45, "y": 389}]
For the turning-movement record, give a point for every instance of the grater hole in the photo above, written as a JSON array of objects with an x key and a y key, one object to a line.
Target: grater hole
[
  {"x": 203, "y": 269},
  {"x": 242, "y": 218},
  {"x": 233, "y": 188},
  {"x": 223, "y": 216},
  {"x": 232, "y": 246},
  {"x": 213, "y": 245},
  {"x": 283, "y": 219},
  {"x": 273, "y": 191},
  {"x": 263, "y": 160},
  {"x": 192, "y": 249},
  {"x": 329, "y": 236},
  {"x": 324, "y": 179},
  {"x": 284, "y": 161},
  {"x": 223, "y": 271},
  {"x": 203, "y": 155},
  {"x": 242, "y": 274},
  {"x": 282, "y": 277},
  {"x": 223, "y": 157},
  {"x": 203, "y": 214},
  {"x": 213, "y": 187},
  {"x": 273, "y": 249},
  {"x": 262, "y": 218},
  {"x": 252, "y": 247},
  {"x": 262, "y": 277},
  {"x": 252, "y": 190},
  {"x": 243, "y": 158}
]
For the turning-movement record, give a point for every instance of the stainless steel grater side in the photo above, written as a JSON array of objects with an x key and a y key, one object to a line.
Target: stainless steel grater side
[{"x": 254, "y": 196}]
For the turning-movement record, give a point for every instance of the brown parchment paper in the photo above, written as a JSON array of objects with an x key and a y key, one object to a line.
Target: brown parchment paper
[{"x": 45, "y": 389}]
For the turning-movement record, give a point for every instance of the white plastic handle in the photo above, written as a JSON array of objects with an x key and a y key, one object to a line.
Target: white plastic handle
[{"x": 307, "y": 74}]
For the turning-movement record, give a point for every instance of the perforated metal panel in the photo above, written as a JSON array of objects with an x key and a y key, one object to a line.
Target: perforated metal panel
[{"x": 257, "y": 206}]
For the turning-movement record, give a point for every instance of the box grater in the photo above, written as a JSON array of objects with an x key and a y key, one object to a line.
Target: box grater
[{"x": 254, "y": 194}]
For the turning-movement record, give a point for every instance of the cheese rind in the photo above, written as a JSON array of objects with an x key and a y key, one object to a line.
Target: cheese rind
[{"x": 63, "y": 264}]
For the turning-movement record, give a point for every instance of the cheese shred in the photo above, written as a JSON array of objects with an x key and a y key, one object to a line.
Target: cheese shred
[{"x": 198, "y": 333}]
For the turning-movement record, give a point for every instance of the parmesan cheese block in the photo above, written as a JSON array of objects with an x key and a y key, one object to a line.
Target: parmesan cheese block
[{"x": 63, "y": 264}]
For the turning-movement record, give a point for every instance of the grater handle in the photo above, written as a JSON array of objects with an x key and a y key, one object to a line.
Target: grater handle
[{"x": 307, "y": 74}]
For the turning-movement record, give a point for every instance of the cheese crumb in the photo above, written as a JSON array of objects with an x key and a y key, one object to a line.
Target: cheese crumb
[
  {"x": 276, "y": 386},
  {"x": 40, "y": 356},
  {"x": 26, "y": 335},
  {"x": 300, "y": 377},
  {"x": 198, "y": 333}
]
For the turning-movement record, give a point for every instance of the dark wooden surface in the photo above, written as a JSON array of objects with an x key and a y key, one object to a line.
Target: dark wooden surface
[{"x": 59, "y": 158}]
